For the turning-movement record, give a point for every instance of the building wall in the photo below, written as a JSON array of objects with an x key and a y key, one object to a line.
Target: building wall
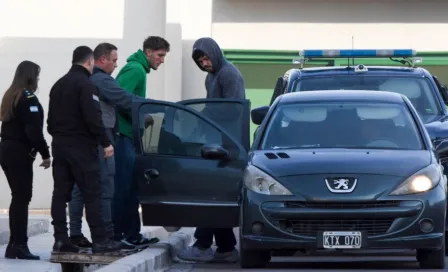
[
  {"x": 301, "y": 24},
  {"x": 47, "y": 32},
  {"x": 325, "y": 24}
]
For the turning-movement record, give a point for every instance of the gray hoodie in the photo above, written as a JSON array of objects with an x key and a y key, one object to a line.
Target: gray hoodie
[{"x": 225, "y": 80}]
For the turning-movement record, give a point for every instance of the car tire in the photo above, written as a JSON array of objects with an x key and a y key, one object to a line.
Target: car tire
[
  {"x": 431, "y": 259},
  {"x": 254, "y": 258},
  {"x": 446, "y": 240}
]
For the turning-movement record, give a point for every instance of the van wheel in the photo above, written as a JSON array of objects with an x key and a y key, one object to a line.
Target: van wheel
[
  {"x": 254, "y": 258},
  {"x": 431, "y": 259}
]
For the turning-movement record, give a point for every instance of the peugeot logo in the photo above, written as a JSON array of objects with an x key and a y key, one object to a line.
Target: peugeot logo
[{"x": 341, "y": 185}]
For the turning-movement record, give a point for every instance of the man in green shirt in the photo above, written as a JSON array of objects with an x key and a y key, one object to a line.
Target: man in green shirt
[{"x": 132, "y": 77}]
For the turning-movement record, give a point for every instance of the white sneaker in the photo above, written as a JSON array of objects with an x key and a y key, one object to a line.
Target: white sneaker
[{"x": 196, "y": 254}]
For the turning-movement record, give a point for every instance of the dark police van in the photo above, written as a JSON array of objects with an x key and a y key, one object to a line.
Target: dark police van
[{"x": 424, "y": 90}]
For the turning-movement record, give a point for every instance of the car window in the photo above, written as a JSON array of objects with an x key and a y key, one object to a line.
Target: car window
[
  {"x": 417, "y": 90},
  {"x": 178, "y": 132},
  {"x": 342, "y": 125},
  {"x": 229, "y": 115}
]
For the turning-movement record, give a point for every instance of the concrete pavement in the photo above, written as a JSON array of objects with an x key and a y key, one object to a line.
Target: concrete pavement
[
  {"x": 159, "y": 257},
  {"x": 155, "y": 258},
  {"x": 36, "y": 225},
  {"x": 378, "y": 260},
  {"x": 316, "y": 264}
]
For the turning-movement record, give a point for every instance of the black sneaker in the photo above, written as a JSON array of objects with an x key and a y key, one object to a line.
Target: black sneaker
[
  {"x": 126, "y": 245},
  {"x": 106, "y": 246},
  {"x": 143, "y": 241},
  {"x": 80, "y": 241}
]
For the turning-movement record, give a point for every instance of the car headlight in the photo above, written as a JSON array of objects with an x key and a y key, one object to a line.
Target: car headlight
[
  {"x": 422, "y": 181},
  {"x": 260, "y": 182}
]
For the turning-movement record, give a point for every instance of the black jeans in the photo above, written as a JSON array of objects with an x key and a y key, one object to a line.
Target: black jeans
[
  {"x": 17, "y": 164},
  {"x": 78, "y": 165},
  {"x": 225, "y": 238}
]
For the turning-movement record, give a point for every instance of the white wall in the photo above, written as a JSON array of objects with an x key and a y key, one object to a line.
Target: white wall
[
  {"x": 195, "y": 16},
  {"x": 47, "y": 31},
  {"x": 305, "y": 24}
]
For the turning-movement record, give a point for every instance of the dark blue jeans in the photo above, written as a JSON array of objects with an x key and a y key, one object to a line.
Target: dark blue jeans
[
  {"x": 126, "y": 217},
  {"x": 76, "y": 205}
]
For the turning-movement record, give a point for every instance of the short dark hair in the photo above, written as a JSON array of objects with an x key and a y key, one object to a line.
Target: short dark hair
[
  {"x": 81, "y": 54},
  {"x": 103, "y": 49},
  {"x": 156, "y": 43}
]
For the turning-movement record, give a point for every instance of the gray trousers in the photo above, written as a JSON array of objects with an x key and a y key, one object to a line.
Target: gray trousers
[{"x": 76, "y": 205}]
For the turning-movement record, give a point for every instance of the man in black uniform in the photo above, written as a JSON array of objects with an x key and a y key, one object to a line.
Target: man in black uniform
[{"x": 74, "y": 122}]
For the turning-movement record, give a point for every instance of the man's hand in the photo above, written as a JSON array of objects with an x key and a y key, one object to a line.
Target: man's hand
[
  {"x": 149, "y": 121},
  {"x": 46, "y": 163},
  {"x": 108, "y": 151}
]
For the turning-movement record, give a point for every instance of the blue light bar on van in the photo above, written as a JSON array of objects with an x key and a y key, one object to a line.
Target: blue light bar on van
[{"x": 358, "y": 53}]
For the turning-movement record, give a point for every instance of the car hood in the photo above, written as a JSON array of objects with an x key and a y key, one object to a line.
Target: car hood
[
  {"x": 306, "y": 172},
  {"x": 283, "y": 163}
]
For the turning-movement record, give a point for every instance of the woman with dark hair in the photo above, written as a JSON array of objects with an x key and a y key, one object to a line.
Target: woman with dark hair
[{"x": 22, "y": 137}]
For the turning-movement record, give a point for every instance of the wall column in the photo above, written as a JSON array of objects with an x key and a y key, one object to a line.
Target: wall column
[
  {"x": 195, "y": 17},
  {"x": 144, "y": 18}
]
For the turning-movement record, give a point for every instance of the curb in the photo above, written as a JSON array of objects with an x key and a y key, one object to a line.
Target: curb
[
  {"x": 156, "y": 257},
  {"x": 35, "y": 227}
]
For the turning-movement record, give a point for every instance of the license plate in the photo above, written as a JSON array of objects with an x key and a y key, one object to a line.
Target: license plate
[{"x": 342, "y": 239}]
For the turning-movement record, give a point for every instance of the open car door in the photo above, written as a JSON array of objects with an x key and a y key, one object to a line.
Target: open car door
[{"x": 190, "y": 159}]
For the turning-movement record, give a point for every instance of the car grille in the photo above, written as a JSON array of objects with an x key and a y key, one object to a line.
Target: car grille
[
  {"x": 310, "y": 227},
  {"x": 344, "y": 205}
]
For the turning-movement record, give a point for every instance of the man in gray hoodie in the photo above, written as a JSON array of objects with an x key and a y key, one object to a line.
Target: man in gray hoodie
[
  {"x": 223, "y": 80},
  {"x": 111, "y": 97}
]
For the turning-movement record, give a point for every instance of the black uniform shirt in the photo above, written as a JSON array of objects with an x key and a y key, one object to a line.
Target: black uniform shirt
[
  {"x": 27, "y": 124},
  {"x": 74, "y": 113}
]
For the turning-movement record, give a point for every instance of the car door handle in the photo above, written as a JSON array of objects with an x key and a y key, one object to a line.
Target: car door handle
[{"x": 151, "y": 174}]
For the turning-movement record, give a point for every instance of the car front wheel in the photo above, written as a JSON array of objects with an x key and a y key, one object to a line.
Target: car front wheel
[{"x": 431, "y": 259}]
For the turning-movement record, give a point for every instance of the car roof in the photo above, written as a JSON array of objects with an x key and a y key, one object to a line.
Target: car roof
[
  {"x": 342, "y": 95},
  {"x": 372, "y": 70}
]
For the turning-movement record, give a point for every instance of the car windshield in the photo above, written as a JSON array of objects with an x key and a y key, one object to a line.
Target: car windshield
[
  {"x": 417, "y": 90},
  {"x": 360, "y": 125}
]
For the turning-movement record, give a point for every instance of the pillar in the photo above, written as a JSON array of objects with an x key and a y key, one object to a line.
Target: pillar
[
  {"x": 195, "y": 18},
  {"x": 144, "y": 18},
  {"x": 173, "y": 63}
]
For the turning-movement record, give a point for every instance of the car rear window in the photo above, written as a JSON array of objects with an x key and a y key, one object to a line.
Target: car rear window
[
  {"x": 357, "y": 125},
  {"x": 417, "y": 90}
]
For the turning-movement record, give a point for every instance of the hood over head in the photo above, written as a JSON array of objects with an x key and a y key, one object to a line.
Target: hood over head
[{"x": 208, "y": 47}]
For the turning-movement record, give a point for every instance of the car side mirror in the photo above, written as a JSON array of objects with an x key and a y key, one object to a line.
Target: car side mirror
[
  {"x": 442, "y": 148},
  {"x": 214, "y": 152},
  {"x": 258, "y": 114}
]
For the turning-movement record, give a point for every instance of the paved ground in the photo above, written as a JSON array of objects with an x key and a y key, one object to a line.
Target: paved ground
[
  {"x": 42, "y": 245},
  {"x": 315, "y": 264},
  {"x": 36, "y": 225},
  {"x": 389, "y": 261}
]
